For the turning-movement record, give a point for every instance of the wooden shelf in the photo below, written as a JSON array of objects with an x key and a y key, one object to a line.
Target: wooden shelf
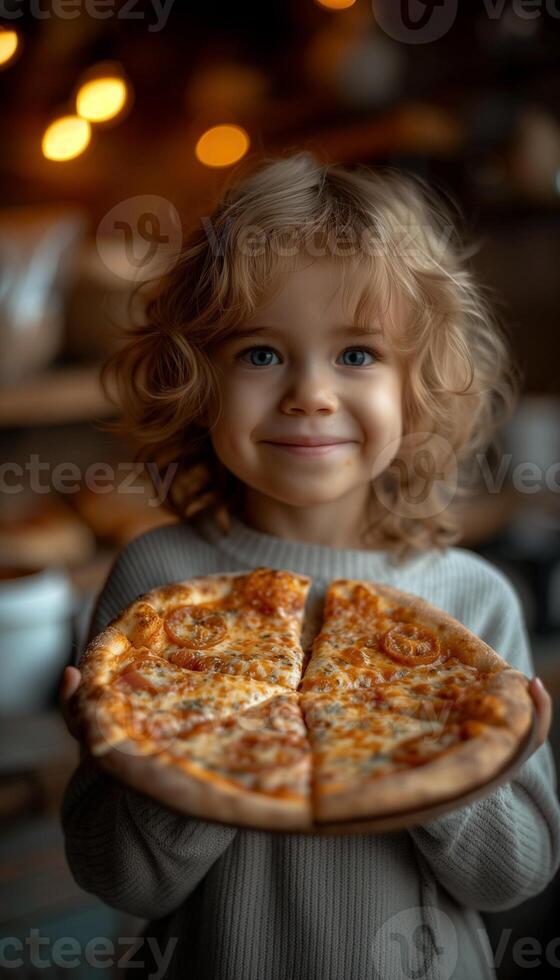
[{"x": 65, "y": 394}]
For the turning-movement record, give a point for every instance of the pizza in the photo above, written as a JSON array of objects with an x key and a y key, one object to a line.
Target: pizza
[{"x": 244, "y": 698}]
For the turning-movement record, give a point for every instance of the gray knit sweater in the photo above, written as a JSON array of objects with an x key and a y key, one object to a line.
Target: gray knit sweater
[{"x": 256, "y": 905}]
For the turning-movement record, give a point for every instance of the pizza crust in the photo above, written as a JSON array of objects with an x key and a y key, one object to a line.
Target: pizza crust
[
  {"x": 188, "y": 788},
  {"x": 142, "y": 624},
  {"x": 105, "y": 656},
  {"x": 200, "y": 588},
  {"x": 459, "y": 769},
  {"x": 512, "y": 687}
]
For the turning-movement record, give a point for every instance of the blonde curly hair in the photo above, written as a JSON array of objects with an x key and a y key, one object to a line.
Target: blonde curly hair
[{"x": 398, "y": 236}]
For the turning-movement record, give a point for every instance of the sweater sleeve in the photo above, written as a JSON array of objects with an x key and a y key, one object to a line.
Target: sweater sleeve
[
  {"x": 505, "y": 848},
  {"x": 132, "y": 852}
]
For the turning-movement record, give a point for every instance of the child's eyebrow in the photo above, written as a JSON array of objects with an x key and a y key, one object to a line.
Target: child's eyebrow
[{"x": 353, "y": 329}]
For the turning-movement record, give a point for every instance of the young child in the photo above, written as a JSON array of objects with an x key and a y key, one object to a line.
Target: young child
[{"x": 318, "y": 304}]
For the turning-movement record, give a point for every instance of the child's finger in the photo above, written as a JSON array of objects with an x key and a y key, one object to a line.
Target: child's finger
[
  {"x": 69, "y": 684},
  {"x": 543, "y": 705}
]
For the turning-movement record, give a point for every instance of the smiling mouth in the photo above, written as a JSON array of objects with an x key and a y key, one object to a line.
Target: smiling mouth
[{"x": 302, "y": 450}]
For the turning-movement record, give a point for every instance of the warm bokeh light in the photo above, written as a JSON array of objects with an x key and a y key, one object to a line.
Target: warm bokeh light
[
  {"x": 222, "y": 146},
  {"x": 66, "y": 138},
  {"x": 336, "y": 4},
  {"x": 101, "y": 98},
  {"x": 8, "y": 46}
]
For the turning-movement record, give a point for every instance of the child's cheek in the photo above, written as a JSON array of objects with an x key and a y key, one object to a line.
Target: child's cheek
[{"x": 383, "y": 428}]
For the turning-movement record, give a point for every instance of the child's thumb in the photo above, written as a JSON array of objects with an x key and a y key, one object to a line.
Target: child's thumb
[
  {"x": 70, "y": 682},
  {"x": 68, "y": 686}
]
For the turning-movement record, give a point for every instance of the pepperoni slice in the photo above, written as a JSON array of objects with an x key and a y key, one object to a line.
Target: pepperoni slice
[
  {"x": 270, "y": 592},
  {"x": 356, "y": 656},
  {"x": 411, "y": 644},
  {"x": 195, "y": 626},
  {"x": 137, "y": 681},
  {"x": 192, "y": 661}
]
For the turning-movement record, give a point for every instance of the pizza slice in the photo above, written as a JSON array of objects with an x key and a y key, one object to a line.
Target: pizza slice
[
  {"x": 151, "y": 702},
  {"x": 373, "y": 633},
  {"x": 380, "y": 751},
  {"x": 250, "y": 768},
  {"x": 351, "y": 734},
  {"x": 238, "y": 623}
]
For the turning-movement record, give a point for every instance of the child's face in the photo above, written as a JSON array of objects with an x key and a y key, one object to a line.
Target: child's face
[{"x": 305, "y": 376}]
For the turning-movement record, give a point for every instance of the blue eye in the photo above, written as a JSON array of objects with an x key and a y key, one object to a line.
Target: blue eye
[
  {"x": 263, "y": 354},
  {"x": 359, "y": 351},
  {"x": 261, "y": 362}
]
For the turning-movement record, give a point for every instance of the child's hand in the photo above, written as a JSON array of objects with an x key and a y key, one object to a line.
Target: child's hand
[
  {"x": 68, "y": 686},
  {"x": 543, "y": 706}
]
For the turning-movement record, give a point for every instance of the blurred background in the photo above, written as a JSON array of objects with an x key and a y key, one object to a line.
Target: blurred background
[{"x": 120, "y": 123}]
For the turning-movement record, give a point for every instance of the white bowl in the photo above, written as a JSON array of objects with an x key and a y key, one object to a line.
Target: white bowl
[{"x": 36, "y": 631}]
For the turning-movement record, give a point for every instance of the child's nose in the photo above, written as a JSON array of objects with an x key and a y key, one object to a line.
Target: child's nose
[{"x": 309, "y": 391}]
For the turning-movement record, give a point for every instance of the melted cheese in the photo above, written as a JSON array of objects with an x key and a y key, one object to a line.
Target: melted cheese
[
  {"x": 266, "y": 749},
  {"x": 252, "y": 630},
  {"x": 365, "y": 640}
]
